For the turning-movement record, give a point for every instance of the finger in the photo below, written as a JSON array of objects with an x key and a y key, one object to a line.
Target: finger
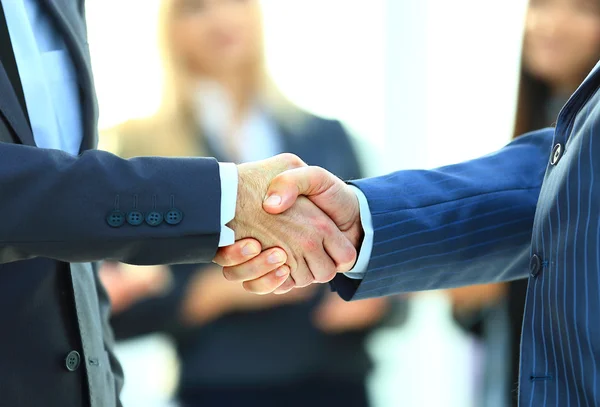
[
  {"x": 341, "y": 251},
  {"x": 238, "y": 253},
  {"x": 269, "y": 282},
  {"x": 257, "y": 267},
  {"x": 301, "y": 273},
  {"x": 287, "y": 286},
  {"x": 273, "y": 166},
  {"x": 321, "y": 265},
  {"x": 284, "y": 161},
  {"x": 334, "y": 253},
  {"x": 287, "y": 186}
]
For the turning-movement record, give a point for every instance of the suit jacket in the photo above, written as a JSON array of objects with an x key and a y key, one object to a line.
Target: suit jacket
[
  {"x": 63, "y": 212},
  {"x": 209, "y": 354},
  {"x": 530, "y": 211}
]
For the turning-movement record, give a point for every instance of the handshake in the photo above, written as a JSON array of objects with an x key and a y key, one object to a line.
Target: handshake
[{"x": 294, "y": 225}]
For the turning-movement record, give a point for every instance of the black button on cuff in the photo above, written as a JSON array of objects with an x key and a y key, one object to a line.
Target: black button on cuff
[
  {"x": 72, "y": 361},
  {"x": 535, "y": 266},
  {"x": 135, "y": 218},
  {"x": 557, "y": 153},
  {"x": 154, "y": 218},
  {"x": 173, "y": 217},
  {"x": 115, "y": 219}
]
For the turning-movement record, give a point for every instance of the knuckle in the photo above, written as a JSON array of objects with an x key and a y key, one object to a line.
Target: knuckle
[
  {"x": 352, "y": 254},
  {"x": 222, "y": 258},
  {"x": 288, "y": 285},
  {"x": 326, "y": 275},
  {"x": 292, "y": 160},
  {"x": 283, "y": 178},
  {"x": 303, "y": 279},
  {"x": 229, "y": 274},
  {"x": 323, "y": 226},
  {"x": 346, "y": 263},
  {"x": 345, "y": 250},
  {"x": 320, "y": 174},
  {"x": 240, "y": 273},
  {"x": 220, "y": 261},
  {"x": 250, "y": 287},
  {"x": 260, "y": 286},
  {"x": 310, "y": 245},
  {"x": 349, "y": 254}
]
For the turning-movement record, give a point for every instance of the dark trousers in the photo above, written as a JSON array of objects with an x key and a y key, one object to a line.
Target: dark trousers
[{"x": 309, "y": 393}]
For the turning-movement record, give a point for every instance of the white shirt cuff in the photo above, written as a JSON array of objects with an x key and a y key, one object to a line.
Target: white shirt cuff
[
  {"x": 229, "y": 187},
  {"x": 364, "y": 255}
]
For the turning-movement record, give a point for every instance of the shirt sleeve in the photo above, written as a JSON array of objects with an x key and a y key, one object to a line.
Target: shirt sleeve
[
  {"x": 229, "y": 186},
  {"x": 360, "y": 268}
]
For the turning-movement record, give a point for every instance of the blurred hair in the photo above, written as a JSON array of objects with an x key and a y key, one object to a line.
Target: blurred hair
[
  {"x": 174, "y": 130},
  {"x": 533, "y": 97}
]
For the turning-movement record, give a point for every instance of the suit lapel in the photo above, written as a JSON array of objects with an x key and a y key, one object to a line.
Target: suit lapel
[
  {"x": 71, "y": 24},
  {"x": 10, "y": 109},
  {"x": 293, "y": 142}
]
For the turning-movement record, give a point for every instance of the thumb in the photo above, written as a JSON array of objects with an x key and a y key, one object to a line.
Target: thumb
[
  {"x": 313, "y": 182},
  {"x": 282, "y": 162}
]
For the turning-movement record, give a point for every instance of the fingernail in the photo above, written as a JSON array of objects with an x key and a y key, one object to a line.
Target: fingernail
[
  {"x": 249, "y": 249},
  {"x": 275, "y": 257},
  {"x": 281, "y": 271},
  {"x": 273, "y": 200}
]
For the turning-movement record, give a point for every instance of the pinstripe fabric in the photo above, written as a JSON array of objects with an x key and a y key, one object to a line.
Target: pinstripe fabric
[{"x": 483, "y": 220}]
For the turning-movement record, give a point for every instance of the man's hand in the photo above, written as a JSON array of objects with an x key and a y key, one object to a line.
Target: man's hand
[
  {"x": 316, "y": 248},
  {"x": 248, "y": 254},
  {"x": 328, "y": 192},
  {"x": 333, "y": 197}
]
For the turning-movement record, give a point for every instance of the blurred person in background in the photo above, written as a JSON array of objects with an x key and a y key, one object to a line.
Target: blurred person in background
[
  {"x": 561, "y": 45},
  {"x": 235, "y": 348}
]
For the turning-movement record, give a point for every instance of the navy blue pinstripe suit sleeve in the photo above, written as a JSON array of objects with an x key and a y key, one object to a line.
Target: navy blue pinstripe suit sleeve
[{"x": 462, "y": 224}]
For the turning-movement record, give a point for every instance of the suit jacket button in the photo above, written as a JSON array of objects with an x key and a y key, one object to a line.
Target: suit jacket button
[
  {"x": 115, "y": 219},
  {"x": 154, "y": 218},
  {"x": 135, "y": 218},
  {"x": 557, "y": 153},
  {"x": 535, "y": 266},
  {"x": 72, "y": 361},
  {"x": 173, "y": 217}
]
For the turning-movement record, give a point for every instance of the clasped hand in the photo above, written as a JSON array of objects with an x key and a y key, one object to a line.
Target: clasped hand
[{"x": 294, "y": 225}]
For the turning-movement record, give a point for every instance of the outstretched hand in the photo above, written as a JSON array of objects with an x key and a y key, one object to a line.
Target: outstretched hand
[
  {"x": 325, "y": 190},
  {"x": 318, "y": 242}
]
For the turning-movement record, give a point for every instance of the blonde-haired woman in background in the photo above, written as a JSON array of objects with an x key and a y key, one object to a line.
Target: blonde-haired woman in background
[{"x": 238, "y": 349}]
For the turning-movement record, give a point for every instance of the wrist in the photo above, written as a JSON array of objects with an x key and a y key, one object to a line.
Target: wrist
[
  {"x": 358, "y": 234},
  {"x": 355, "y": 232},
  {"x": 248, "y": 201}
]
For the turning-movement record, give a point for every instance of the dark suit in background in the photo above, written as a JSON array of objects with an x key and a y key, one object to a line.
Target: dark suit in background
[
  {"x": 223, "y": 363},
  {"x": 55, "y": 341}
]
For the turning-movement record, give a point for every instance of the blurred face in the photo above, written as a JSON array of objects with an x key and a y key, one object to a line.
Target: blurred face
[
  {"x": 562, "y": 40},
  {"x": 215, "y": 37}
]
